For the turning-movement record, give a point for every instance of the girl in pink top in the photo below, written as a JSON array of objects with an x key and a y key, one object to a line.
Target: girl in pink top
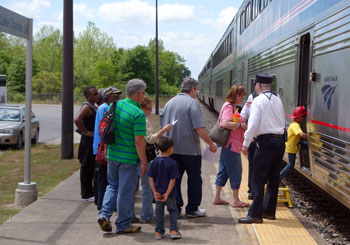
[{"x": 230, "y": 163}]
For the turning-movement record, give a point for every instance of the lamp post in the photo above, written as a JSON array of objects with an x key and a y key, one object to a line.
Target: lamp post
[{"x": 157, "y": 70}]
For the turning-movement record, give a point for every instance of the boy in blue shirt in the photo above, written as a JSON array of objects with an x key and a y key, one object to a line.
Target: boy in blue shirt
[{"x": 162, "y": 175}]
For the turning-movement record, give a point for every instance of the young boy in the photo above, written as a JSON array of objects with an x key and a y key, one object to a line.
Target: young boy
[
  {"x": 294, "y": 134},
  {"x": 162, "y": 175}
]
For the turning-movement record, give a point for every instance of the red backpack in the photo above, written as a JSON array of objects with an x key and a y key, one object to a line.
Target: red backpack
[{"x": 106, "y": 129}]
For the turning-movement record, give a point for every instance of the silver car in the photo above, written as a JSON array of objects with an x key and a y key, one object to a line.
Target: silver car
[{"x": 12, "y": 126}]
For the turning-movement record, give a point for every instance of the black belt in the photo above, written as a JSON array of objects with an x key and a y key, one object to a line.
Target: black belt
[{"x": 269, "y": 136}]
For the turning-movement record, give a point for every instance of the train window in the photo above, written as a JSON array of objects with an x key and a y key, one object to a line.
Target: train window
[
  {"x": 263, "y": 4},
  {"x": 242, "y": 22},
  {"x": 233, "y": 39},
  {"x": 219, "y": 88},
  {"x": 247, "y": 15},
  {"x": 255, "y": 8}
]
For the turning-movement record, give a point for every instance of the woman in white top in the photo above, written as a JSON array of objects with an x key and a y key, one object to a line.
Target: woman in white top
[{"x": 147, "y": 214}]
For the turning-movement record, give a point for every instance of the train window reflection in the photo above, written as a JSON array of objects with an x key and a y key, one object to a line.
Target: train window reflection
[
  {"x": 247, "y": 15},
  {"x": 263, "y": 4},
  {"x": 242, "y": 22},
  {"x": 255, "y": 8}
]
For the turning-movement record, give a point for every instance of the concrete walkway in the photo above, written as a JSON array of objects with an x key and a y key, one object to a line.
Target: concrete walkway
[{"x": 60, "y": 217}]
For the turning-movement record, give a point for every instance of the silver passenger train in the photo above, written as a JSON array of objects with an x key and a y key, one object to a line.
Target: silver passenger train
[{"x": 306, "y": 44}]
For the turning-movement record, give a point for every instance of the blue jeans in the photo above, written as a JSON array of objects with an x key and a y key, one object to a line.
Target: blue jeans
[
  {"x": 147, "y": 198},
  {"x": 192, "y": 165},
  {"x": 289, "y": 166},
  {"x": 172, "y": 208},
  {"x": 230, "y": 166},
  {"x": 122, "y": 179}
]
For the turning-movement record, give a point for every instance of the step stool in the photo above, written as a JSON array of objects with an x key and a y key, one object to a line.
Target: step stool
[{"x": 283, "y": 195}]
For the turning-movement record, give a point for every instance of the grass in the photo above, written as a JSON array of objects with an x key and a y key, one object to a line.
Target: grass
[{"x": 47, "y": 170}]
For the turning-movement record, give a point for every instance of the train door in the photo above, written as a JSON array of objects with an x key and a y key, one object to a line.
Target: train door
[{"x": 302, "y": 92}]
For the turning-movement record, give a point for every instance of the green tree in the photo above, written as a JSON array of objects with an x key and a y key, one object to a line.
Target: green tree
[
  {"x": 136, "y": 63},
  {"x": 172, "y": 67},
  {"x": 47, "y": 49},
  {"x": 4, "y": 56},
  {"x": 47, "y": 82},
  {"x": 92, "y": 47}
]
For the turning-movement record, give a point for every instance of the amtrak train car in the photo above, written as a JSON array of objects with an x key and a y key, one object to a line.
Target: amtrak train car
[{"x": 306, "y": 44}]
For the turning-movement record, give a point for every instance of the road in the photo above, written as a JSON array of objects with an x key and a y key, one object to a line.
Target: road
[{"x": 50, "y": 118}]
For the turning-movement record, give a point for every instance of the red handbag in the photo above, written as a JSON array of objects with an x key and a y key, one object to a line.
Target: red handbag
[{"x": 101, "y": 156}]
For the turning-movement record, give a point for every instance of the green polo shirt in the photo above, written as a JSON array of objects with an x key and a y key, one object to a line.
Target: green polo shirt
[{"x": 129, "y": 120}]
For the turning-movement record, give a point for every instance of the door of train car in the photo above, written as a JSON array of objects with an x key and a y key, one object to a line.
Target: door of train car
[{"x": 302, "y": 93}]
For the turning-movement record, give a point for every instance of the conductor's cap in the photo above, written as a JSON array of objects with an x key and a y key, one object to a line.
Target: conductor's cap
[{"x": 264, "y": 78}]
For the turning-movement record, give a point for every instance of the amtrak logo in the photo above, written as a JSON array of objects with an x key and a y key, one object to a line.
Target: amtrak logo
[{"x": 327, "y": 92}]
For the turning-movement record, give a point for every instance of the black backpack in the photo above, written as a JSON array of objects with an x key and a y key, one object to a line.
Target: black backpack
[{"x": 106, "y": 125}]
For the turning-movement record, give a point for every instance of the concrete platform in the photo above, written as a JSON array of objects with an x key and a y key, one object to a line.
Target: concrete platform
[{"x": 60, "y": 217}]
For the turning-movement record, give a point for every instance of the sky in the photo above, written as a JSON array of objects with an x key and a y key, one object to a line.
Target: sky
[{"x": 192, "y": 28}]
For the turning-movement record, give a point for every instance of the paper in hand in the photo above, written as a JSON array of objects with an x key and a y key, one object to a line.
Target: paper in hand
[
  {"x": 211, "y": 156},
  {"x": 173, "y": 122}
]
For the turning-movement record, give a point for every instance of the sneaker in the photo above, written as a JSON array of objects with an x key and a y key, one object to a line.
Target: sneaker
[
  {"x": 90, "y": 199},
  {"x": 180, "y": 215},
  {"x": 105, "y": 224},
  {"x": 159, "y": 236},
  {"x": 198, "y": 213},
  {"x": 131, "y": 229},
  {"x": 175, "y": 235}
]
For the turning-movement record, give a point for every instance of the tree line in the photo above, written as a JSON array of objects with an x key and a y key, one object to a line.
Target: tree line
[{"x": 97, "y": 62}]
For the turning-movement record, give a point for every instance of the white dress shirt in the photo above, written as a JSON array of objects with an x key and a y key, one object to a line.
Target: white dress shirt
[{"x": 266, "y": 117}]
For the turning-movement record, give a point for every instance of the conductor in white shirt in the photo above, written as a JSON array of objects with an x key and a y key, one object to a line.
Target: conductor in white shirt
[{"x": 266, "y": 123}]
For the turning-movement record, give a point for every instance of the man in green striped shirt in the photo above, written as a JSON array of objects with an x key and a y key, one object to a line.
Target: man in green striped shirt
[{"x": 123, "y": 157}]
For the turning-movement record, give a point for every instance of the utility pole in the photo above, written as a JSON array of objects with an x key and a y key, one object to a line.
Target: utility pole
[
  {"x": 67, "y": 150},
  {"x": 157, "y": 68}
]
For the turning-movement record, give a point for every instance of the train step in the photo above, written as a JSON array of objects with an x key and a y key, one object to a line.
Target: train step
[{"x": 284, "y": 196}]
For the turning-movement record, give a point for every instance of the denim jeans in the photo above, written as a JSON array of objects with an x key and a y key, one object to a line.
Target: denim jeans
[
  {"x": 147, "y": 198},
  {"x": 192, "y": 165},
  {"x": 230, "y": 166},
  {"x": 172, "y": 208},
  {"x": 122, "y": 179},
  {"x": 289, "y": 166}
]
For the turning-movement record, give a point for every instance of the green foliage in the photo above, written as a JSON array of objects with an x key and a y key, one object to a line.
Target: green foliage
[
  {"x": 47, "y": 82},
  {"x": 94, "y": 50},
  {"x": 136, "y": 63},
  {"x": 97, "y": 62},
  {"x": 47, "y": 49},
  {"x": 16, "y": 75}
]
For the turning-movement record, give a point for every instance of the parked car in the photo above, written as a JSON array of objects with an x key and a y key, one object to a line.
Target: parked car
[{"x": 12, "y": 126}]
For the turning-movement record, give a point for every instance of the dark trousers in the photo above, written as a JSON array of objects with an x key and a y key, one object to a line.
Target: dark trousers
[
  {"x": 267, "y": 160},
  {"x": 251, "y": 151},
  {"x": 101, "y": 184},
  {"x": 192, "y": 165},
  {"x": 87, "y": 169}
]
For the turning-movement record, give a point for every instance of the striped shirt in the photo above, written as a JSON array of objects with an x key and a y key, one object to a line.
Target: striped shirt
[{"x": 129, "y": 121}]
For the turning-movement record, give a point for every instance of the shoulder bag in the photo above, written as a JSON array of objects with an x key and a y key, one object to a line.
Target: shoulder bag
[
  {"x": 151, "y": 151},
  {"x": 219, "y": 134}
]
